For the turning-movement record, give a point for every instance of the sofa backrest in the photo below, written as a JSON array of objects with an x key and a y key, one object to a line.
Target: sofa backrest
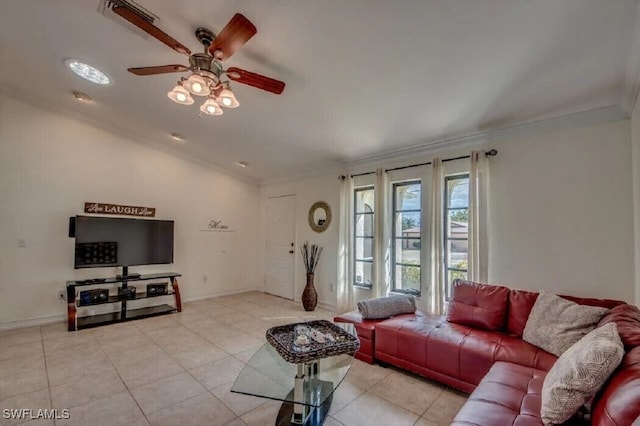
[
  {"x": 478, "y": 305},
  {"x": 521, "y": 302},
  {"x": 627, "y": 318}
]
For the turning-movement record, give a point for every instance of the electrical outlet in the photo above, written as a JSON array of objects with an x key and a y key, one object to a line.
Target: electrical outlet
[
  {"x": 204, "y": 278},
  {"x": 331, "y": 287},
  {"x": 62, "y": 295}
]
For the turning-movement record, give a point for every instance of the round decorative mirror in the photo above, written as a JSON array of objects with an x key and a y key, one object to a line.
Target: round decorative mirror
[{"x": 319, "y": 216}]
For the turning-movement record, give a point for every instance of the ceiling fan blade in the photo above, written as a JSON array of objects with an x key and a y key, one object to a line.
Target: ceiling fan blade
[
  {"x": 161, "y": 69},
  {"x": 236, "y": 33},
  {"x": 255, "y": 80},
  {"x": 151, "y": 29}
]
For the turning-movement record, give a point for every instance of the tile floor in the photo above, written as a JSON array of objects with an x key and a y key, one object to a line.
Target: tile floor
[{"x": 178, "y": 369}]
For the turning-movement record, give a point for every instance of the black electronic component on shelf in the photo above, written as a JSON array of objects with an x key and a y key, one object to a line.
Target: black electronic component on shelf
[
  {"x": 128, "y": 292},
  {"x": 157, "y": 289},
  {"x": 94, "y": 297}
]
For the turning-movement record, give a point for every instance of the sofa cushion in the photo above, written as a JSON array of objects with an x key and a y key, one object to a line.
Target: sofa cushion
[
  {"x": 429, "y": 345},
  {"x": 627, "y": 319},
  {"x": 555, "y": 323},
  {"x": 520, "y": 304},
  {"x": 478, "y": 305},
  {"x": 517, "y": 351},
  {"x": 579, "y": 373},
  {"x": 509, "y": 394},
  {"x": 385, "y": 307},
  {"x": 618, "y": 402}
]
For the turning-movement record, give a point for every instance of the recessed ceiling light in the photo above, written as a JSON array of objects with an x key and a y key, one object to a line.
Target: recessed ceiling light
[
  {"x": 242, "y": 164},
  {"x": 81, "y": 96},
  {"x": 177, "y": 137},
  {"x": 88, "y": 72}
]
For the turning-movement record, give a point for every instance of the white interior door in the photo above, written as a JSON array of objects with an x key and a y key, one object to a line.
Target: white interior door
[{"x": 279, "y": 279}]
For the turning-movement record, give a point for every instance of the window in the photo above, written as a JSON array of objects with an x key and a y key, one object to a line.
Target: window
[
  {"x": 406, "y": 243},
  {"x": 363, "y": 236},
  {"x": 456, "y": 239}
]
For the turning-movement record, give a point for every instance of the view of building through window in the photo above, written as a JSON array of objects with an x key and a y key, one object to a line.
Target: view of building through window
[
  {"x": 363, "y": 235},
  {"x": 406, "y": 234},
  {"x": 406, "y": 237},
  {"x": 456, "y": 239}
]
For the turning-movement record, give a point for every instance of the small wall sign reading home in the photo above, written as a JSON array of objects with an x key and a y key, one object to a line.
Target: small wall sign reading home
[
  {"x": 217, "y": 226},
  {"x": 105, "y": 208}
]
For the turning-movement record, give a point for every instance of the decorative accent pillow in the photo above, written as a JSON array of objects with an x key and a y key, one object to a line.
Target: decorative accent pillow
[
  {"x": 579, "y": 373},
  {"x": 478, "y": 305},
  {"x": 555, "y": 324},
  {"x": 385, "y": 307}
]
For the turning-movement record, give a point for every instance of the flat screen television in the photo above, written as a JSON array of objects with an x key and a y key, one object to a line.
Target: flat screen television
[{"x": 106, "y": 241}]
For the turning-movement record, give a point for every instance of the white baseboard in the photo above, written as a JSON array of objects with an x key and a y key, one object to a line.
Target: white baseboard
[
  {"x": 321, "y": 304},
  {"x": 219, "y": 294},
  {"x": 33, "y": 322}
]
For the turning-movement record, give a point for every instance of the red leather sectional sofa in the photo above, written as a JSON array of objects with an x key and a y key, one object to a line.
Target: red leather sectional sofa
[{"x": 478, "y": 348}]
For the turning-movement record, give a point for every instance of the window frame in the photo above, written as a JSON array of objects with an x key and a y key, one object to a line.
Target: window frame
[
  {"x": 355, "y": 237},
  {"x": 446, "y": 238},
  {"x": 393, "y": 262}
]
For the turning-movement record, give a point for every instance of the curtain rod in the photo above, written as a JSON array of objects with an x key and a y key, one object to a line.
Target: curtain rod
[{"x": 489, "y": 153}]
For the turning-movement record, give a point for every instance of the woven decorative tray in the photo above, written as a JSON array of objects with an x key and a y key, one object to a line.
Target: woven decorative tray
[{"x": 282, "y": 339}]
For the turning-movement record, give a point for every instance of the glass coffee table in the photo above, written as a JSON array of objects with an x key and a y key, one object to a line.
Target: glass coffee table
[{"x": 306, "y": 387}]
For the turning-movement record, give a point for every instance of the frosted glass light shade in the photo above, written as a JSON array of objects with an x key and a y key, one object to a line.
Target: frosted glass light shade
[
  {"x": 180, "y": 96},
  {"x": 196, "y": 85},
  {"x": 227, "y": 99},
  {"x": 211, "y": 107}
]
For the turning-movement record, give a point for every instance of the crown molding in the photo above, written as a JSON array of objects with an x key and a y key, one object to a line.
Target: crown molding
[
  {"x": 45, "y": 105},
  {"x": 592, "y": 116},
  {"x": 369, "y": 163},
  {"x": 632, "y": 76}
]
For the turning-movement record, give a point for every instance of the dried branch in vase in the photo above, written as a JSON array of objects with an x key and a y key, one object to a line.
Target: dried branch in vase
[{"x": 310, "y": 256}]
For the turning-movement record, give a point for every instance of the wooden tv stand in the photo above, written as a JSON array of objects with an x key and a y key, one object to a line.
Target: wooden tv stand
[{"x": 125, "y": 313}]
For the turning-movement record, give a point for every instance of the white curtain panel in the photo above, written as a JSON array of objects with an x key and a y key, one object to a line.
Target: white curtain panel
[
  {"x": 478, "y": 215},
  {"x": 382, "y": 249},
  {"x": 345, "y": 300},
  {"x": 436, "y": 285}
]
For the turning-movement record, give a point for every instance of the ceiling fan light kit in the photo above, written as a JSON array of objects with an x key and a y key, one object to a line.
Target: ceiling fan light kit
[
  {"x": 211, "y": 107},
  {"x": 196, "y": 85},
  {"x": 206, "y": 68},
  {"x": 180, "y": 95},
  {"x": 227, "y": 99}
]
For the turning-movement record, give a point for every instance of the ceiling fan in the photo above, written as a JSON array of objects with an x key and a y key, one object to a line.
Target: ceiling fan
[{"x": 208, "y": 73}]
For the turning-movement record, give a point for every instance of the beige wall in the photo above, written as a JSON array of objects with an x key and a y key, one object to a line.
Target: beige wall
[
  {"x": 562, "y": 213},
  {"x": 51, "y": 164},
  {"x": 635, "y": 158}
]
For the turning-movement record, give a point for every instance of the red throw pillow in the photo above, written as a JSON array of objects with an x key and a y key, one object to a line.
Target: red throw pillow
[{"x": 478, "y": 305}]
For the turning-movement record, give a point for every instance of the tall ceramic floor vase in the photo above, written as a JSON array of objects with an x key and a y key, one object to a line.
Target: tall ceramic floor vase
[{"x": 309, "y": 295}]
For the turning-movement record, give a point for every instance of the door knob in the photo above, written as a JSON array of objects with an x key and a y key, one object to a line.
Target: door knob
[{"x": 291, "y": 251}]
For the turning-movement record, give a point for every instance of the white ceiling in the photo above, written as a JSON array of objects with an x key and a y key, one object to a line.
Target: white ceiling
[{"x": 364, "y": 77}]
